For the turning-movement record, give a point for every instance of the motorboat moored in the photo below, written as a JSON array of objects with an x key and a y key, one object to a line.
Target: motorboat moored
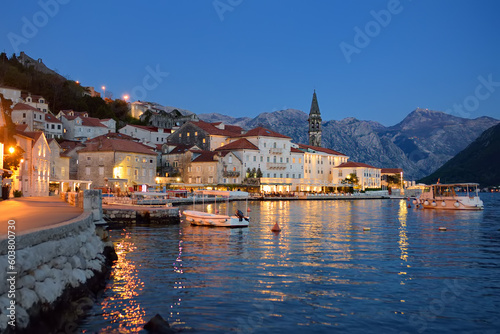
[
  {"x": 210, "y": 219},
  {"x": 454, "y": 196}
]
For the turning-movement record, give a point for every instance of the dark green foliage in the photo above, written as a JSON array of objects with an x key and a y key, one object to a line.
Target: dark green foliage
[
  {"x": 60, "y": 93},
  {"x": 350, "y": 179},
  {"x": 479, "y": 162}
]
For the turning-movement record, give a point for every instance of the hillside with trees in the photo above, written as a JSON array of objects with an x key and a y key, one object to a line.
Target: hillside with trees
[
  {"x": 61, "y": 93},
  {"x": 479, "y": 162}
]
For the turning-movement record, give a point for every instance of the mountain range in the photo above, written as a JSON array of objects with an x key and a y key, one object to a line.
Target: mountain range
[
  {"x": 421, "y": 143},
  {"x": 479, "y": 162}
]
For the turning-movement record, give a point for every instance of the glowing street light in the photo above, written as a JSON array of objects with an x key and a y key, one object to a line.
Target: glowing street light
[
  {"x": 12, "y": 149},
  {"x": 126, "y": 97},
  {"x": 103, "y": 92}
]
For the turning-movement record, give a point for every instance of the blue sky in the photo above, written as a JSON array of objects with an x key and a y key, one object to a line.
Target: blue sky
[{"x": 373, "y": 60}]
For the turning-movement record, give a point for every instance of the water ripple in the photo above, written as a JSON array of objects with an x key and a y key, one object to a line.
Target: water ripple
[{"x": 345, "y": 266}]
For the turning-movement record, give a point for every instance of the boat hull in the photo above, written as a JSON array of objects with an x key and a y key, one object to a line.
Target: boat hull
[
  {"x": 454, "y": 203},
  {"x": 208, "y": 219}
]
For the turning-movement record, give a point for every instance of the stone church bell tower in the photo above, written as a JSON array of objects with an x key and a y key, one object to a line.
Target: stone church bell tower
[{"x": 314, "y": 123}]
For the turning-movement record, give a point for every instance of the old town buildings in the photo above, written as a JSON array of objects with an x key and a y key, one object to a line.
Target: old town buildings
[{"x": 194, "y": 153}]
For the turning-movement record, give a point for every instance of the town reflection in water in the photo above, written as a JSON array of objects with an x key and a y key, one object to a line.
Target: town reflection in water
[{"x": 333, "y": 264}]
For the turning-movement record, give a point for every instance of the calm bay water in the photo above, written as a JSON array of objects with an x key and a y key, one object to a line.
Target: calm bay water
[{"x": 323, "y": 273}]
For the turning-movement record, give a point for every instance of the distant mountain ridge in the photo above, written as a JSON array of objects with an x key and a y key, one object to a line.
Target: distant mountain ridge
[
  {"x": 479, "y": 162},
  {"x": 422, "y": 142}
]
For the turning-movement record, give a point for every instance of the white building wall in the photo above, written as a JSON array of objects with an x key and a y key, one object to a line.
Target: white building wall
[
  {"x": 53, "y": 130},
  {"x": 110, "y": 123},
  {"x": 34, "y": 119},
  {"x": 216, "y": 142},
  {"x": 368, "y": 177},
  {"x": 11, "y": 94},
  {"x": 41, "y": 164}
]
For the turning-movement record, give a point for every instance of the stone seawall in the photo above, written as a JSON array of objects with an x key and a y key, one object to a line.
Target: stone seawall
[
  {"x": 51, "y": 265},
  {"x": 141, "y": 214}
]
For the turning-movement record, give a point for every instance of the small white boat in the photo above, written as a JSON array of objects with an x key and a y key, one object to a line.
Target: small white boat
[
  {"x": 209, "y": 219},
  {"x": 454, "y": 196}
]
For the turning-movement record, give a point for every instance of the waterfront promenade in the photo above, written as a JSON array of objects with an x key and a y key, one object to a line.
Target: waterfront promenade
[{"x": 32, "y": 213}]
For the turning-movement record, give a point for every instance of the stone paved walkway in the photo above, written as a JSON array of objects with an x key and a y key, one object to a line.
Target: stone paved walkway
[{"x": 35, "y": 212}]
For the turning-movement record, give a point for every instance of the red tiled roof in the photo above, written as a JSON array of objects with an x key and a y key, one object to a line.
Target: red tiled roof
[
  {"x": 240, "y": 144},
  {"x": 213, "y": 130},
  {"x": 88, "y": 121},
  {"x": 391, "y": 170},
  {"x": 262, "y": 132},
  {"x": 320, "y": 149},
  {"x": 23, "y": 106},
  {"x": 114, "y": 135},
  {"x": 352, "y": 164},
  {"x": 205, "y": 156},
  {"x": 295, "y": 150},
  {"x": 75, "y": 113},
  {"x": 91, "y": 121},
  {"x": 149, "y": 128},
  {"x": 34, "y": 98},
  {"x": 21, "y": 127},
  {"x": 233, "y": 128},
  {"x": 179, "y": 149},
  {"x": 116, "y": 145},
  {"x": 51, "y": 119},
  {"x": 70, "y": 144},
  {"x": 35, "y": 135}
]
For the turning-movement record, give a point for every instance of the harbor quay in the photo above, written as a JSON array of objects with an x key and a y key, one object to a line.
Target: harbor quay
[{"x": 54, "y": 258}]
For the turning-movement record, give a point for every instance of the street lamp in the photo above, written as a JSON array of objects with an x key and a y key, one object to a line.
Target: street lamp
[
  {"x": 12, "y": 149},
  {"x": 103, "y": 92},
  {"x": 126, "y": 97}
]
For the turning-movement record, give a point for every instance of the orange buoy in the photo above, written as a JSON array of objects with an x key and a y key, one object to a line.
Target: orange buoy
[
  {"x": 276, "y": 228},
  {"x": 248, "y": 210}
]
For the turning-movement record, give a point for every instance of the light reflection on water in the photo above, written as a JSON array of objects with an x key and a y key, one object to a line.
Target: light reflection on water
[
  {"x": 323, "y": 272},
  {"x": 123, "y": 309}
]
